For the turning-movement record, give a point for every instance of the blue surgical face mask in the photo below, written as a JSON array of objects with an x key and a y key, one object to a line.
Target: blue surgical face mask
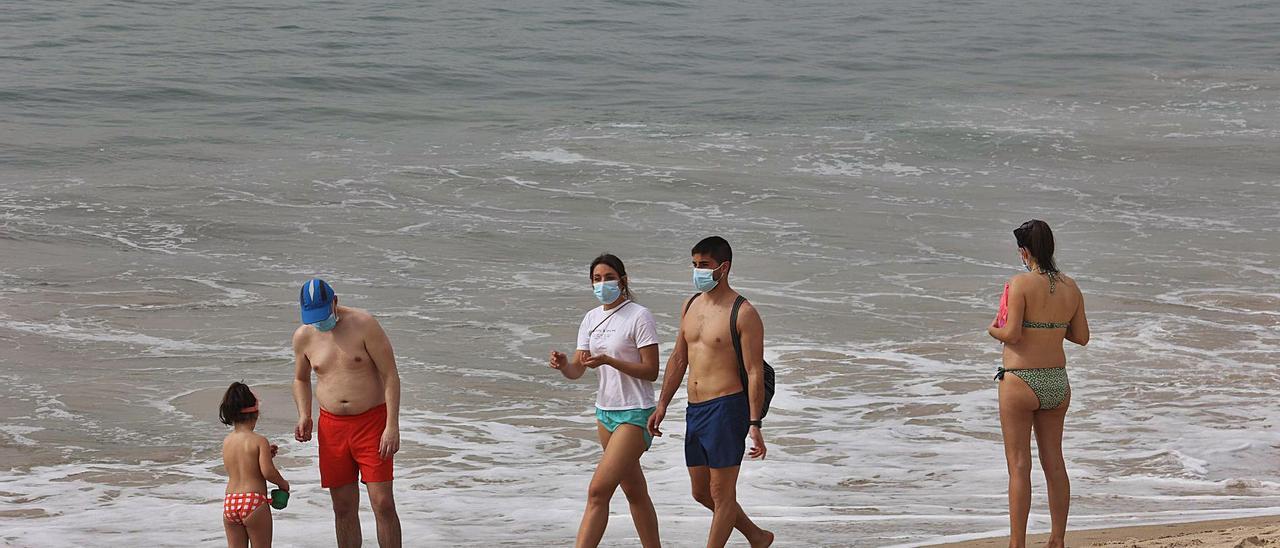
[
  {"x": 329, "y": 323},
  {"x": 704, "y": 279},
  {"x": 607, "y": 291}
]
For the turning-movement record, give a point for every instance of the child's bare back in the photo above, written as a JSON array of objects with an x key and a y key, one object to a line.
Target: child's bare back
[{"x": 242, "y": 457}]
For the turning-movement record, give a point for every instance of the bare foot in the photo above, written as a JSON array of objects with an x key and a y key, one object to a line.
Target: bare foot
[
  {"x": 1055, "y": 544},
  {"x": 766, "y": 539}
]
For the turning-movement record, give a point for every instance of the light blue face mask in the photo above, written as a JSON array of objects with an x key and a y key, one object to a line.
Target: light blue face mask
[
  {"x": 329, "y": 323},
  {"x": 704, "y": 279},
  {"x": 607, "y": 291}
]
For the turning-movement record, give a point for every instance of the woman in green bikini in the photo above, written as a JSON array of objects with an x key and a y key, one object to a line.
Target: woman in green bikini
[{"x": 1044, "y": 307}]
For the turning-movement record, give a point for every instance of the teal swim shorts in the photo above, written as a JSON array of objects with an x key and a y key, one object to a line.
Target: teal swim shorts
[{"x": 612, "y": 419}]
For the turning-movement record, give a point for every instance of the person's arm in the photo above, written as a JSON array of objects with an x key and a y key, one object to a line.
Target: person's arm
[
  {"x": 646, "y": 369},
  {"x": 677, "y": 364},
  {"x": 379, "y": 348},
  {"x": 301, "y": 388},
  {"x": 751, "y": 332},
  {"x": 267, "y": 466},
  {"x": 1011, "y": 333},
  {"x": 574, "y": 369},
  {"x": 1078, "y": 329},
  {"x": 571, "y": 369}
]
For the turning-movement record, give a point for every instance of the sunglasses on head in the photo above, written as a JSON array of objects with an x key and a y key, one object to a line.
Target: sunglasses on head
[{"x": 1023, "y": 232}]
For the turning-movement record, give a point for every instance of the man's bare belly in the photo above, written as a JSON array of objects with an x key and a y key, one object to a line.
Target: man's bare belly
[
  {"x": 348, "y": 394},
  {"x": 712, "y": 382}
]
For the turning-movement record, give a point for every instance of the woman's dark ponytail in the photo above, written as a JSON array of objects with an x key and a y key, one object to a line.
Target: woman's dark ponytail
[{"x": 1036, "y": 237}]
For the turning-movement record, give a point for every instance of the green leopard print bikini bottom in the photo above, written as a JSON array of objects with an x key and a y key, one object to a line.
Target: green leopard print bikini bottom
[{"x": 1049, "y": 383}]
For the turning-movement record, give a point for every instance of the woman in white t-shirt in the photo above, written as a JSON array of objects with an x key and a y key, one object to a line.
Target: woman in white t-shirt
[{"x": 619, "y": 340}]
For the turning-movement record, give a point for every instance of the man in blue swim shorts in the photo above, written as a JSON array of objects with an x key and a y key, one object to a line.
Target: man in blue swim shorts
[{"x": 721, "y": 413}]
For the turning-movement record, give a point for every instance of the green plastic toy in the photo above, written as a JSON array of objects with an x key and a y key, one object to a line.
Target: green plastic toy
[{"x": 279, "y": 499}]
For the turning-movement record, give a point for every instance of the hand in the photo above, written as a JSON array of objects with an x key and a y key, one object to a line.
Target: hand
[
  {"x": 656, "y": 419},
  {"x": 558, "y": 360},
  {"x": 992, "y": 331},
  {"x": 274, "y": 449},
  {"x": 283, "y": 485},
  {"x": 597, "y": 361},
  {"x": 757, "y": 444},
  {"x": 390, "y": 442},
  {"x": 302, "y": 432}
]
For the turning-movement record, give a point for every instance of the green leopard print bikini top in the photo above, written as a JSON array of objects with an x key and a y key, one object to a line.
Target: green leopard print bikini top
[{"x": 1053, "y": 286}]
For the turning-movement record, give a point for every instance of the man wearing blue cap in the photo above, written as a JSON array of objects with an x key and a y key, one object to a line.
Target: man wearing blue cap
[{"x": 359, "y": 392}]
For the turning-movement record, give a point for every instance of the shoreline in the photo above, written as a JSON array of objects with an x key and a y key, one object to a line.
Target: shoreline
[{"x": 1231, "y": 532}]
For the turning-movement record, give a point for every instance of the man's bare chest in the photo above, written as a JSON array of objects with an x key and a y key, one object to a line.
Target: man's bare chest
[
  {"x": 345, "y": 356},
  {"x": 708, "y": 330}
]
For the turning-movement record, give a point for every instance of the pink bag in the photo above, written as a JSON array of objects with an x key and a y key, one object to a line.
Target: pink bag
[{"x": 1002, "y": 316}]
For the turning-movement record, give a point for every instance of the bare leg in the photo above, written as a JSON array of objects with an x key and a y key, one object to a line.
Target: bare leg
[
  {"x": 636, "y": 489},
  {"x": 258, "y": 525},
  {"x": 1017, "y": 408},
  {"x": 1048, "y": 428},
  {"x": 700, "y": 479},
  {"x": 724, "y": 493},
  {"x": 346, "y": 514},
  {"x": 237, "y": 537},
  {"x": 384, "y": 513},
  {"x": 622, "y": 451}
]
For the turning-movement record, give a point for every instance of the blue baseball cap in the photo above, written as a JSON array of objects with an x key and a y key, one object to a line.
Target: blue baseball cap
[{"x": 316, "y": 301}]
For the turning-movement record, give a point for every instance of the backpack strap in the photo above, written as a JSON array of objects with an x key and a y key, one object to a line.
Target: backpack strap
[
  {"x": 689, "y": 304},
  {"x": 737, "y": 340}
]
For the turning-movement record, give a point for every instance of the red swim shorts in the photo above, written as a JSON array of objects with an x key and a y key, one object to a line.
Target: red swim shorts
[{"x": 349, "y": 444}]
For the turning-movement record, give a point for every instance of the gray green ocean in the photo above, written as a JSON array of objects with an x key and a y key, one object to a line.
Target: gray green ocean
[{"x": 172, "y": 171}]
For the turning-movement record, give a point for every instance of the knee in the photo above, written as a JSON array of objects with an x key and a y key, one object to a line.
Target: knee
[
  {"x": 599, "y": 493},
  {"x": 384, "y": 505},
  {"x": 723, "y": 496},
  {"x": 343, "y": 508},
  {"x": 635, "y": 491},
  {"x": 1054, "y": 468},
  {"x": 1019, "y": 465},
  {"x": 703, "y": 496}
]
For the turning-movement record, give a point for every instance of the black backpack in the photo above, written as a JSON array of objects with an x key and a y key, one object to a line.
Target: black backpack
[{"x": 737, "y": 347}]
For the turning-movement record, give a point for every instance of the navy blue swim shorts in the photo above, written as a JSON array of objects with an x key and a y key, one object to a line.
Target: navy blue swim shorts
[{"x": 716, "y": 431}]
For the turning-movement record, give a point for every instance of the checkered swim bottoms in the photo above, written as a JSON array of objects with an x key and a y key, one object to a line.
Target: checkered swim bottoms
[{"x": 237, "y": 506}]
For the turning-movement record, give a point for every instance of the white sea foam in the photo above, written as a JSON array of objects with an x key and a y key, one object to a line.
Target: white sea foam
[
  {"x": 853, "y": 166},
  {"x": 561, "y": 156},
  {"x": 149, "y": 344}
]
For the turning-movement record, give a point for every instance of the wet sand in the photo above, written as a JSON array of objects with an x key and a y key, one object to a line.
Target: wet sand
[{"x": 1230, "y": 533}]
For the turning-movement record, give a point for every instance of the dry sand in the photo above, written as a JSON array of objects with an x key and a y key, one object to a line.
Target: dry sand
[{"x": 1227, "y": 533}]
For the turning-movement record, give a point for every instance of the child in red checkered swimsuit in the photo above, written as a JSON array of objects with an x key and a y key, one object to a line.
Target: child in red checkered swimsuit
[{"x": 246, "y": 455}]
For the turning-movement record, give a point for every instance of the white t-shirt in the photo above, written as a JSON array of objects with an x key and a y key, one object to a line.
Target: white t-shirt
[{"x": 630, "y": 328}]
